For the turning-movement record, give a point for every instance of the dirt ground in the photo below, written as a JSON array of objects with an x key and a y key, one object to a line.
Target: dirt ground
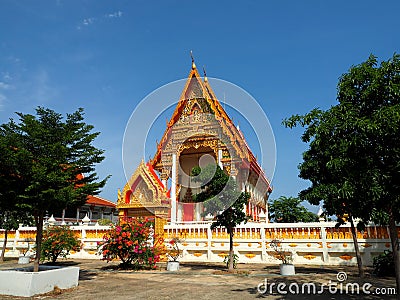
[{"x": 100, "y": 280}]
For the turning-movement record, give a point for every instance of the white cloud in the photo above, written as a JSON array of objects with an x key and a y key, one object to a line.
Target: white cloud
[
  {"x": 6, "y": 76},
  {"x": 88, "y": 21},
  {"x": 117, "y": 14},
  {"x": 85, "y": 22},
  {"x": 4, "y": 86},
  {"x": 92, "y": 20}
]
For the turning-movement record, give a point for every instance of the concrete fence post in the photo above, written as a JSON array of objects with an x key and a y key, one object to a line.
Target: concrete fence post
[{"x": 325, "y": 254}]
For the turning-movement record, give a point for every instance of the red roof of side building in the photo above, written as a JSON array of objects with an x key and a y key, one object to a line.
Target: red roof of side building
[{"x": 96, "y": 200}]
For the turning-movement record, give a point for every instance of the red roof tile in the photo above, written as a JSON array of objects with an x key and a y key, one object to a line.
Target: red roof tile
[{"x": 96, "y": 200}]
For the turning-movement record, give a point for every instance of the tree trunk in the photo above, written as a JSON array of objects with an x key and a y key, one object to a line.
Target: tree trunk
[
  {"x": 39, "y": 234},
  {"x": 3, "y": 250},
  {"x": 358, "y": 254},
  {"x": 394, "y": 240},
  {"x": 230, "y": 268}
]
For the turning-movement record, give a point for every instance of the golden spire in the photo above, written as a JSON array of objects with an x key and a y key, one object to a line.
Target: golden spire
[
  {"x": 205, "y": 74},
  {"x": 193, "y": 64}
]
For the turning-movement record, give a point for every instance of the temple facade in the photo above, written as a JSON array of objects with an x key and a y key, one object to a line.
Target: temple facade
[{"x": 199, "y": 132}]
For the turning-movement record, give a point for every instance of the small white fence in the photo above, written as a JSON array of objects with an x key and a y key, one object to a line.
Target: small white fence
[{"x": 317, "y": 243}]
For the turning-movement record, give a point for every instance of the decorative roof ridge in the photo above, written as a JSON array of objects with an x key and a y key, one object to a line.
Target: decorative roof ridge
[
  {"x": 194, "y": 73},
  {"x": 155, "y": 176}
]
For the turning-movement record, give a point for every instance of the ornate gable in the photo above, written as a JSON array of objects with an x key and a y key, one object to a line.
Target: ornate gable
[
  {"x": 198, "y": 104},
  {"x": 143, "y": 190}
]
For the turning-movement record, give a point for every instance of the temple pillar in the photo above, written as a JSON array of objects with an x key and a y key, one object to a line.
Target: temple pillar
[
  {"x": 180, "y": 212},
  {"x": 220, "y": 159},
  {"x": 159, "y": 223},
  {"x": 173, "y": 189},
  {"x": 198, "y": 213}
]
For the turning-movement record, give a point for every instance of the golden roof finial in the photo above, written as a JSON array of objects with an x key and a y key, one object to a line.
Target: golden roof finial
[
  {"x": 205, "y": 74},
  {"x": 193, "y": 64}
]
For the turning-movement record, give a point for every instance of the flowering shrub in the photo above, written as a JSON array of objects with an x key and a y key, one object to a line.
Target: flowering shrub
[
  {"x": 58, "y": 241},
  {"x": 286, "y": 257},
  {"x": 173, "y": 250},
  {"x": 133, "y": 243}
]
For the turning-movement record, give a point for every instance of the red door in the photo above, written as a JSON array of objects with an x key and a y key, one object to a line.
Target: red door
[{"x": 188, "y": 212}]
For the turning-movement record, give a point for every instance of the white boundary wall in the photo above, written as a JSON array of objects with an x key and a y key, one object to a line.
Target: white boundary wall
[{"x": 317, "y": 243}]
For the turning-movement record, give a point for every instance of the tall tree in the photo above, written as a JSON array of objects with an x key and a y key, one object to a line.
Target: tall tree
[
  {"x": 289, "y": 210},
  {"x": 222, "y": 200},
  {"x": 354, "y": 152},
  {"x": 55, "y": 163}
]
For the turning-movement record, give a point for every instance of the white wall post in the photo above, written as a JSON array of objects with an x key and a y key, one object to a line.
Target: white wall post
[
  {"x": 173, "y": 190},
  {"x": 220, "y": 159},
  {"x": 325, "y": 253}
]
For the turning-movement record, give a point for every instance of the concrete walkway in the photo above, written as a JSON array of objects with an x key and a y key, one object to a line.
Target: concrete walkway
[{"x": 101, "y": 280}]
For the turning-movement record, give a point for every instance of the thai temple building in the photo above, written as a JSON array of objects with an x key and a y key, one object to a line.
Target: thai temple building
[{"x": 199, "y": 131}]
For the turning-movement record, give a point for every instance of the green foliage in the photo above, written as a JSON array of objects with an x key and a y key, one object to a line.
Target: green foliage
[
  {"x": 354, "y": 147},
  {"x": 235, "y": 258},
  {"x": 130, "y": 243},
  {"x": 220, "y": 196},
  {"x": 104, "y": 222},
  {"x": 383, "y": 264},
  {"x": 57, "y": 242},
  {"x": 289, "y": 210},
  {"x": 11, "y": 219},
  {"x": 222, "y": 200},
  {"x": 49, "y": 164}
]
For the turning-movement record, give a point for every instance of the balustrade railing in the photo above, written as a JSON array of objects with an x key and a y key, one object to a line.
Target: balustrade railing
[{"x": 310, "y": 243}]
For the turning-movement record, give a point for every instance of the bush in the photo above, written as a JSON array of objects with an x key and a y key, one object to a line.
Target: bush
[
  {"x": 58, "y": 241},
  {"x": 133, "y": 243},
  {"x": 383, "y": 264},
  {"x": 104, "y": 222}
]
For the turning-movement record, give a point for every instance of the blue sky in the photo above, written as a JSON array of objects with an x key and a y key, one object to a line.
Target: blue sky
[{"x": 106, "y": 56}]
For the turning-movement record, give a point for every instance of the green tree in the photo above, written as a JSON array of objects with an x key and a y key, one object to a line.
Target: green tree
[
  {"x": 54, "y": 163},
  {"x": 289, "y": 210},
  {"x": 222, "y": 200},
  {"x": 354, "y": 152}
]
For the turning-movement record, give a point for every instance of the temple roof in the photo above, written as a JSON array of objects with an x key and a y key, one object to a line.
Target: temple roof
[{"x": 197, "y": 88}]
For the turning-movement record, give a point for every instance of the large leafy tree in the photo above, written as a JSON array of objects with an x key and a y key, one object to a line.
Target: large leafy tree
[
  {"x": 222, "y": 200},
  {"x": 353, "y": 160},
  {"x": 289, "y": 210},
  {"x": 53, "y": 164}
]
